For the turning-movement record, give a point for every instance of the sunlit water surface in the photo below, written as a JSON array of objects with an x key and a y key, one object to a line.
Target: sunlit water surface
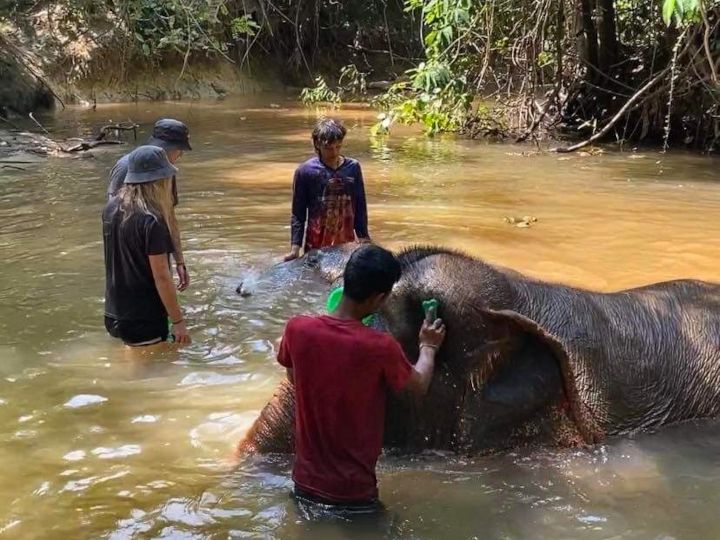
[{"x": 99, "y": 443}]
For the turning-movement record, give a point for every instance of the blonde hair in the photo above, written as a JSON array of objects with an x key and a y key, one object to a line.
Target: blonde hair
[{"x": 152, "y": 198}]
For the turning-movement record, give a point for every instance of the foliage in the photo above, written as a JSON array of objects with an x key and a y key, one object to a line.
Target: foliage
[
  {"x": 174, "y": 25},
  {"x": 295, "y": 39},
  {"x": 82, "y": 33},
  {"x": 320, "y": 93},
  {"x": 438, "y": 109},
  {"x": 351, "y": 81},
  {"x": 565, "y": 66},
  {"x": 682, "y": 11},
  {"x": 243, "y": 26},
  {"x": 437, "y": 94}
]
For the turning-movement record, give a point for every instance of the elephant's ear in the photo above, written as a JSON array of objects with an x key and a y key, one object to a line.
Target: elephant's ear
[{"x": 507, "y": 321}]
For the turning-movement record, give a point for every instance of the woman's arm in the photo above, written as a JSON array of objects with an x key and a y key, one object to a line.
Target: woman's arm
[{"x": 166, "y": 289}]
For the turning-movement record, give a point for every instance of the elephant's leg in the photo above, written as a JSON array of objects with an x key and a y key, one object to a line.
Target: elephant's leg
[{"x": 273, "y": 430}]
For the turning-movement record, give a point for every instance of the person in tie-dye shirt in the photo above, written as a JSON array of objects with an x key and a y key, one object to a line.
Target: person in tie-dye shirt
[{"x": 328, "y": 204}]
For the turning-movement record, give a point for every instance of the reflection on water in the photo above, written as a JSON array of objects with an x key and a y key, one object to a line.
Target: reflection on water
[{"x": 98, "y": 441}]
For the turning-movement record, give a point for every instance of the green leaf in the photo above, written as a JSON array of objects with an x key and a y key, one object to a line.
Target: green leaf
[
  {"x": 685, "y": 6},
  {"x": 447, "y": 33},
  {"x": 431, "y": 38},
  {"x": 668, "y": 11},
  {"x": 689, "y": 9}
]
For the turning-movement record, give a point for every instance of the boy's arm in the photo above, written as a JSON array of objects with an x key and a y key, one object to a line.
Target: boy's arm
[
  {"x": 283, "y": 354},
  {"x": 422, "y": 372},
  {"x": 117, "y": 177},
  {"x": 361, "y": 219},
  {"x": 183, "y": 276},
  {"x": 431, "y": 337},
  {"x": 299, "y": 215}
]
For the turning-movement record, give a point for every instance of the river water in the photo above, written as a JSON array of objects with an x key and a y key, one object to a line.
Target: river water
[{"x": 99, "y": 443}]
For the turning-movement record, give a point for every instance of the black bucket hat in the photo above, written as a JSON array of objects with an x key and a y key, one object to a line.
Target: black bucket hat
[
  {"x": 148, "y": 164},
  {"x": 170, "y": 134}
]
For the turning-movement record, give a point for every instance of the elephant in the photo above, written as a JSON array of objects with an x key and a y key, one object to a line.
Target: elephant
[{"x": 527, "y": 362}]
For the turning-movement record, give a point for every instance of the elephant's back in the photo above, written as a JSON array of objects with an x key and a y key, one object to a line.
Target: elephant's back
[
  {"x": 662, "y": 353},
  {"x": 686, "y": 312},
  {"x": 641, "y": 357},
  {"x": 690, "y": 290}
]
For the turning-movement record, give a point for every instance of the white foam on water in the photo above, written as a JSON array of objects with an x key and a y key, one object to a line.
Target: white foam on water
[
  {"x": 145, "y": 419},
  {"x": 84, "y": 400},
  {"x": 75, "y": 455},
  {"x": 119, "y": 452}
]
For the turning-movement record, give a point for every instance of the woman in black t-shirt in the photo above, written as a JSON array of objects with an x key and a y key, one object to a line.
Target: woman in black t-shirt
[{"x": 139, "y": 289}]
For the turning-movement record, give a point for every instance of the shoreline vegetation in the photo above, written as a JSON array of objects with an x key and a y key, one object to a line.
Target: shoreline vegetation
[{"x": 575, "y": 71}]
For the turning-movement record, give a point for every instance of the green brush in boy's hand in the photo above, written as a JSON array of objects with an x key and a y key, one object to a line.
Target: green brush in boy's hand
[{"x": 430, "y": 308}]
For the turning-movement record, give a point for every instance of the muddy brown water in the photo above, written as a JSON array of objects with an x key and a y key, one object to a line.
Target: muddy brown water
[{"x": 98, "y": 444}]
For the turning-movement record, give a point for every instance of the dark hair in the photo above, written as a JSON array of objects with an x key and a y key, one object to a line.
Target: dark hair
[
  {"x": 326, "y": 131},
  {"x": 371, "y": 270}
]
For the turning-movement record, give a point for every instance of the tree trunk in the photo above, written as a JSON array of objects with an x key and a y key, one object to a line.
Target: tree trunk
[
  {"x": 589, "y": 40},
  {"x": 607, "y": 52}
]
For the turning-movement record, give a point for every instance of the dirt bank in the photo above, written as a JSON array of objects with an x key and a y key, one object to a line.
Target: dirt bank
[
  {"x": 169, "y": 83},
  {"x": 21, "y": 82},
  {"x": 31, "y": 84}
]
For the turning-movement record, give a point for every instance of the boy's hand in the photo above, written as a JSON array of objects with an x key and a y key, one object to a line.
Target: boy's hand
[
  {"x": 294, "y": 254},
  {"x": 183, "y": 276},
  {"x": 432, "y": 333}
]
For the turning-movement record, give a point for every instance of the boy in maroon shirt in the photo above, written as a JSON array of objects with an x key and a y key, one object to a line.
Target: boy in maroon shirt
[
  {"x": 341, "y": 370},
  {"x": 328, "y": 204}
]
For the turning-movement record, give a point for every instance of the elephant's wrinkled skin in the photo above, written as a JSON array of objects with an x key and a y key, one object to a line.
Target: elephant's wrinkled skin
[{"x": 528, "y": 362}]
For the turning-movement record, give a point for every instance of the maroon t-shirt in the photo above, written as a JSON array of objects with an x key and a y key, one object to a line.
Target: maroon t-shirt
[{"x": 342, "y": 371}]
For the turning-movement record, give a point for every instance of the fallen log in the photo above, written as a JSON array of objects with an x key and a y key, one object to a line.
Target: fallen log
[
  {"x": 81, "y": 147},
  {"x": 117, "y": 128},
  {"x": 35, "y": 143}
]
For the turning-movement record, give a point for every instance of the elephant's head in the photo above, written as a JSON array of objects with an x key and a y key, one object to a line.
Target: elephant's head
[
  {"x": 327, "y": 263},
  {"x": 499, "y": 378}
]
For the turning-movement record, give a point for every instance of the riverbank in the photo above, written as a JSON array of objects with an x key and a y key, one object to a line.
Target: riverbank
[
  {"x": 26, "y": 90},
  {"x": 171, "y": 83}
]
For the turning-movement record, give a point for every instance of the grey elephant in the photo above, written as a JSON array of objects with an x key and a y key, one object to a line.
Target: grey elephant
[{"x": 526, "y": 362}]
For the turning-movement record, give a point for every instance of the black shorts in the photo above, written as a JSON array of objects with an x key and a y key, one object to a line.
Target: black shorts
[
  {"x": 351, "y": 507},
  {"x": 138, "y": 332}
]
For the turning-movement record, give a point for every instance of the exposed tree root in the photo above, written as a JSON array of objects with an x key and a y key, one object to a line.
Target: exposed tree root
[{"x": 623, "y": 110}]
